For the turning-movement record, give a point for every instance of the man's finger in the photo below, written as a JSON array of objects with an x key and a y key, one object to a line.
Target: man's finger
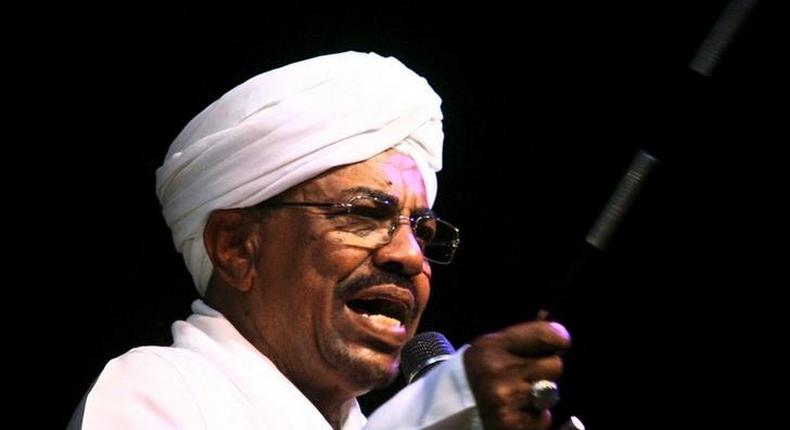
[{"x": 536, "y": 339}]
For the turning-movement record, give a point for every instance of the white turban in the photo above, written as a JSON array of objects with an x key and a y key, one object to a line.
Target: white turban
[{"x": 286, "y": 126}]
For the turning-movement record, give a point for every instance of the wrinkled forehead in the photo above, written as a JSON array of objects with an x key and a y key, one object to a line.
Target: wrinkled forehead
[{"x": 390, "y": 172}]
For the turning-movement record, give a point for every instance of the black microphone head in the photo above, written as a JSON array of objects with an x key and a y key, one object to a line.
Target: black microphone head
[{"x": 423, "y": 352}]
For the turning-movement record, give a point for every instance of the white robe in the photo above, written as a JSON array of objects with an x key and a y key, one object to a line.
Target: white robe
[{"x": 213, "y": 378}]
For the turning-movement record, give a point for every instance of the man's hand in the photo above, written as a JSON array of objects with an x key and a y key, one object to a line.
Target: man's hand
[{"x": 502, "y": 366}]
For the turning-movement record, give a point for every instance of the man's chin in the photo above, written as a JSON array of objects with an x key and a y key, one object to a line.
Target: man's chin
[
  {"x": 374, "y": 370},
  {"x": 367, "y": 369}
]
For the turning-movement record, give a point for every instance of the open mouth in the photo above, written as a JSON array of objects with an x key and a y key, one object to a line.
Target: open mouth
[{"x": 383, "y": 311}]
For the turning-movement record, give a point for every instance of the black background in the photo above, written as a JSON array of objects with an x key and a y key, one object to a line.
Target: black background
[{"x": 544, "y": 108}]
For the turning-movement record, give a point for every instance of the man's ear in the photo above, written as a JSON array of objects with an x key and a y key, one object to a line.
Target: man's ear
[{"x": 231, "y": 244}]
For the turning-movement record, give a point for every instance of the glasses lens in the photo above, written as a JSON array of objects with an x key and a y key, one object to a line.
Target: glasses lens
[
  {"x": 365, "y": 222},
  {"x": 439, "y": 239},
  {"x": 368, "y": 223},
  {"x": 372, "y": 208}
]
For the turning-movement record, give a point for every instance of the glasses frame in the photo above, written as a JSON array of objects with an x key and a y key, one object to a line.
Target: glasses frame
[{"x": 398, "y": 219}]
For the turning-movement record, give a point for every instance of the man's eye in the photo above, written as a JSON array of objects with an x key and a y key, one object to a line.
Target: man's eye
[
  {"x": 371, "y": 212},
  {"x": 425, "y": 230}
]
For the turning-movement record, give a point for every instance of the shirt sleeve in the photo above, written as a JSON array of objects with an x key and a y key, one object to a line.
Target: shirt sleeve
[
  {"x": 139, "y": 390},
  {"x": 442, "y": 399}
]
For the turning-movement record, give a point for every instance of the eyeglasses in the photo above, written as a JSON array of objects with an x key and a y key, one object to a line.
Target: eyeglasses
[{"x": 371, "y": 221}]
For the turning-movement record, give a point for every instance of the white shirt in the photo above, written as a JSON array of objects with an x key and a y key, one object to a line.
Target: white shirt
[{"x": 213, "y": 378}]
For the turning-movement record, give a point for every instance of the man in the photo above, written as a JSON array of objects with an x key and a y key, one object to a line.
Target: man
[{"x": 301, "y": 203}]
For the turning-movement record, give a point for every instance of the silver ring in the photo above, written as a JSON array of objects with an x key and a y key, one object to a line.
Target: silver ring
[{"x": 544, "y": 394}]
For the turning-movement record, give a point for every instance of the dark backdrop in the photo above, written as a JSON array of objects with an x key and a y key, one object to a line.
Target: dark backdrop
[{"x": 545, "y": 106}]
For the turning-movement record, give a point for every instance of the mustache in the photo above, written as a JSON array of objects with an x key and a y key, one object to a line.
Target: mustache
[{"x": 352, "y": 286}]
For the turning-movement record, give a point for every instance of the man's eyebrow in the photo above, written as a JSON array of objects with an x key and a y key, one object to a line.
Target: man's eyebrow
[
  {"x": 353, "y": 191},
  {"x": 367, "y": 191},
  {"x": 423, "y": 211}
]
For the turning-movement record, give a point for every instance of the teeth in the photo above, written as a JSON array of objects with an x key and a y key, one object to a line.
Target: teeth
[{"x": 383, "y": 320}]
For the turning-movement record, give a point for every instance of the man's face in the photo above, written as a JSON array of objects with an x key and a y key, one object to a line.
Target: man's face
[{"x": 330, "y": 310}]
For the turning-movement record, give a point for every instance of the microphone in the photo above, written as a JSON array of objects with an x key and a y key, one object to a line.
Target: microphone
[
  {"x": 422, "y": 353},
  {"x": 715, "y": 44}
]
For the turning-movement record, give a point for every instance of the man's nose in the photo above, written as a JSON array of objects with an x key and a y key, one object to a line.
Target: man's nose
[{"x": 403, "y": 253}]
